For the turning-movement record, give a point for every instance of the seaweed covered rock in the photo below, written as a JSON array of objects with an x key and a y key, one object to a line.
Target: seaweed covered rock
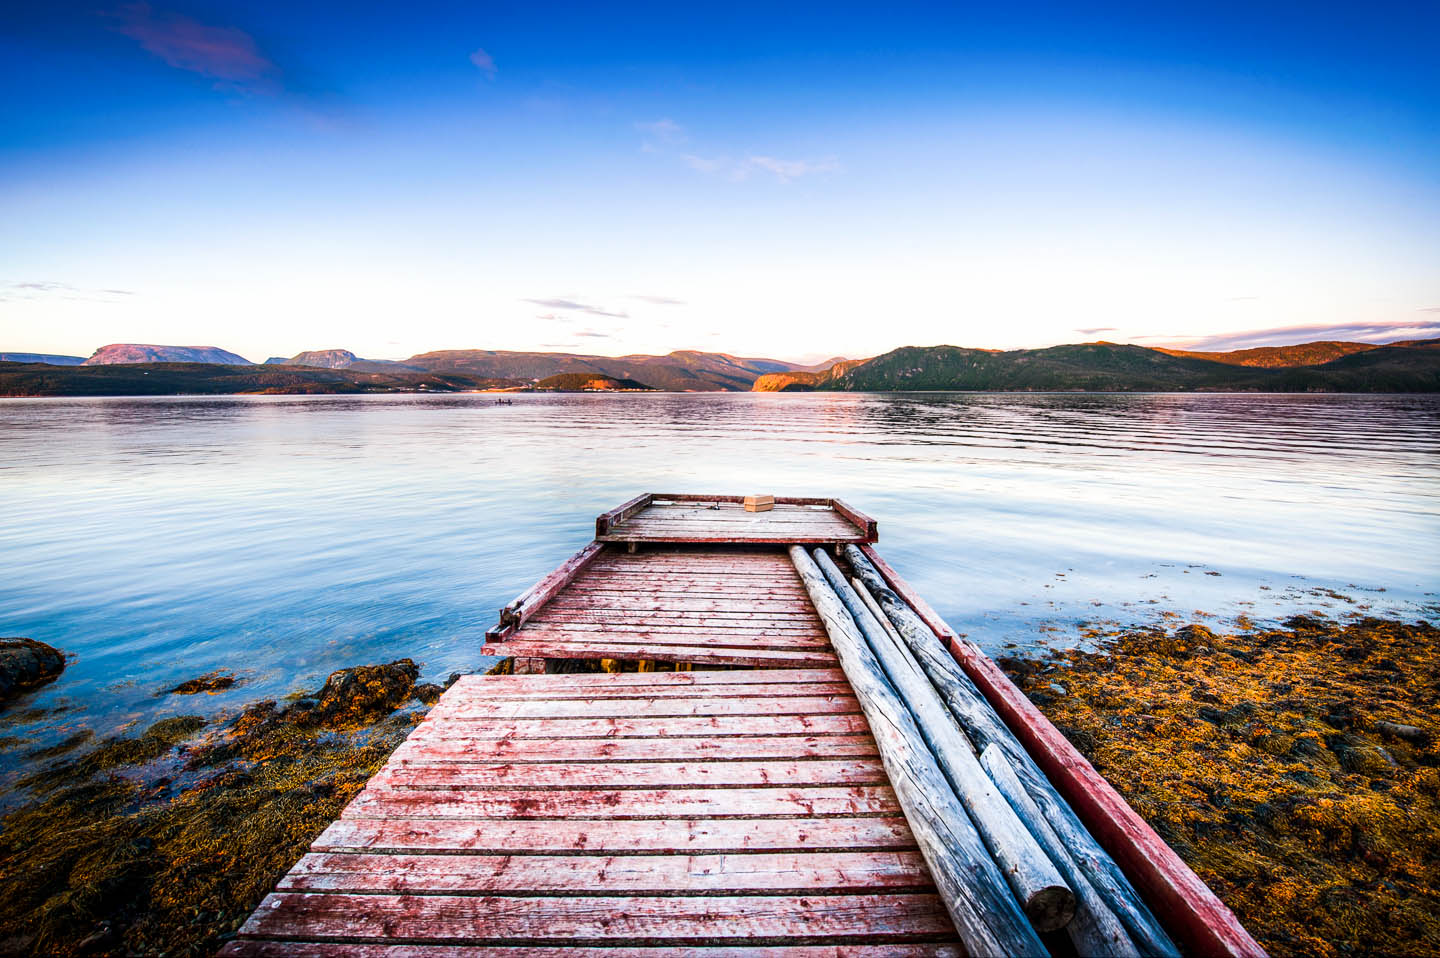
[
  {"x": 364, "y": 693},
  {"x": 156, "y": 844},
  {"x": 209, "y": 682},
  {"x": 26, "y": 664}
]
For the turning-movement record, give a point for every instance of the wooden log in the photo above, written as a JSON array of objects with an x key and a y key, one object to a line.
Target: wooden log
[
  {"x": 974, "y": 892},
  {"x": 1037, "y": 884},
  {"x": 1095, "y": 931},
  {"x": 975, "y": 715}
]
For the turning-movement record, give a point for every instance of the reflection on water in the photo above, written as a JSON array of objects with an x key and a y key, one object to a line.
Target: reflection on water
[{"x": 158, "y": 539}]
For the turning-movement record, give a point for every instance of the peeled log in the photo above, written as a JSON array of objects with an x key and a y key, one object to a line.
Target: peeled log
[
  {"x": 984, "y": 727},
  {"x": 1095, "y": 931},
  {"x": 986, "y": 915},
  {"x": 1042, "y": 893}
]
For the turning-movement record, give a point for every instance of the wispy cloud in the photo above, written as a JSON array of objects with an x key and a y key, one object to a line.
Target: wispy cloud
[
  {"x": 1430, "y": 309},
  {"x": 663, "y": 130},
  {"x": 484, "y": 62},
  {"x": 738, "y": 170},
  {"x": 573, "y": 306},
  {"x": 594, "y": 334},
  {"x": 1376, "y": 332},
  {"x": 227, "y": 55},
  {"x": 660, "y": 300},
  {"x": 1092, "y": 330},
  {"x": 41, "y": 289}
]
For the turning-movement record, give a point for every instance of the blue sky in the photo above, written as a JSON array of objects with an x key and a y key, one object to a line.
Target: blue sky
[{"x": 798, "y": 183}]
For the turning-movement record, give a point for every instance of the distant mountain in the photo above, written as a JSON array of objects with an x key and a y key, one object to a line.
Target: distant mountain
[
  {"x": 48, "y": 358},
  {"x": 586, "y": 382},
  {"x": 320, "y": 358},
  {"x": 1108, "y": 367},
  {"x": 801, "y": 380},
  {"x": 1271, "y": 357},
  {"x": 681, "y": 371},
  {"x": 118, "y": 353},
  {"x": 168, "y": 379}
]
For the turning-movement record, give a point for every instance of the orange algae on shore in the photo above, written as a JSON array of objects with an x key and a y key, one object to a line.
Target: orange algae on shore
[{"x": 1296, "y": 769}]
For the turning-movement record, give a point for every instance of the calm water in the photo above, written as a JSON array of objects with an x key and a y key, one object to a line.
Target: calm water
[{"x": 159, "y": 539}]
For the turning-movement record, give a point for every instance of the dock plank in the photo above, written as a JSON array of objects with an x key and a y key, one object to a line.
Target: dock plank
[
  {"x": 734, "y": 812},
  {"x": 597, "y": 919}
]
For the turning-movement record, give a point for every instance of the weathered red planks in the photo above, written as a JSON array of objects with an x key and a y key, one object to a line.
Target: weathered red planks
[
  {"x": 1191, "y": 911},
  {"x": 717, "y": 654},
  {"x": 586, "y": 920},
  {"x": 657, "y": 518},
  {"x": 768, "y": 823},
  {"x": 293, "y": 949},
  {"x": 626, "y": 750},
  {"x": 775, "y": 873},
  {"x": 651, "y": 708},
  {"x": 679, "y": 726},
  {"x": 576, "y": 836}
]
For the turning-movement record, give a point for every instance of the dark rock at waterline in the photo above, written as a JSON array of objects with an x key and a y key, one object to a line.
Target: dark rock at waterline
[
  {"x": 26, "y": 664},
  {"x": 209, "y": 682},
  {"x": 364, "y": 693},
  {"x": 429, "y": 693}
]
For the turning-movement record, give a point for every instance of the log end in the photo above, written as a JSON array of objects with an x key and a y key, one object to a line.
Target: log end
[{"x": 1050, "y": 908}]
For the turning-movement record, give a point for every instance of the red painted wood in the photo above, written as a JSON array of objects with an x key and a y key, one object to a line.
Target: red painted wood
[
  {"x": 683, "y": 726},
  {"x": 602, "y": 680},
  {"x": 1185, "y": 904},
  {"x": 374, "y": 802},
  {"x": 558, "y": 775},
  {"x": 537, "y": 595},
  {"x": 620, "y": 513},
  {"x": 625, "y": 751},
  {"x": 868, "y": 526},
  {"x": 498, "y": 691},
  {"x": 661, "y": 636},
  {"x": 612, "y": 918},
  {"x": 674, "y": 623},
  {"x": 652, "y": 708},
  {"x": 682, "y": 604},
  {"x": 708, "y": 655},
  {"x": 256, "y": 948},
  {"x": 634, "y": 836},
  {"x": 772, "y": 873}
]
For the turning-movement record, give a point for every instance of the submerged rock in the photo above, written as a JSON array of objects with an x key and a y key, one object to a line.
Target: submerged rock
[
  {"x": 26, "y": 664},
  {"x": 209, "y": 682}
]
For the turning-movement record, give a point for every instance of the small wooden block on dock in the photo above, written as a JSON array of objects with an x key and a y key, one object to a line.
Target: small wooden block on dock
[
  {"x": 759, "y": 503},
  {"x": 634, "y": 814}
]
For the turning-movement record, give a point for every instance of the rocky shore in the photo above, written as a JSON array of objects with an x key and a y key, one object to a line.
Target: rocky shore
[
  {"x": 164, "y": 843},
  {"x": 1296, "y": 769}
]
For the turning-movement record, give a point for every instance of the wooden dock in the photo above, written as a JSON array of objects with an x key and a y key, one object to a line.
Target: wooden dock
[
  {"x": 677, "y": 766},
  {"x": 667, "y": 810}
]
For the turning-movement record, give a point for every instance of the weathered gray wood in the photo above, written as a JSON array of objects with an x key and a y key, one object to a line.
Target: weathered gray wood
[
  {"x": 975, "y": 894},
  {"x": 984, "y": 727},
  {"x": 1094, "y": 930},
  {"x": 1037, "y": 884}
]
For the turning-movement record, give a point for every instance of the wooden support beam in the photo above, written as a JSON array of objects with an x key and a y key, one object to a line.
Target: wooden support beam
[
  {"x": 606, "y": 521},
  {"x": 534, "y": 598},
  {"x": 975, "y": 894},
  {"x": 978, "y": 718}
]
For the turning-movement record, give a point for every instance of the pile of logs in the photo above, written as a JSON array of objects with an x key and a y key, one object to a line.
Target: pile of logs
[{"x": 1009, "y": 856}]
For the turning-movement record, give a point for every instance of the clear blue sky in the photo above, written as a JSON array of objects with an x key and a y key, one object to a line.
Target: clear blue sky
[{"x": 805, "y": 182}]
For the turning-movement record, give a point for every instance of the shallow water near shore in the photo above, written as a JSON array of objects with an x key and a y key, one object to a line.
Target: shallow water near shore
[{"x": 284, "y": 537}]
